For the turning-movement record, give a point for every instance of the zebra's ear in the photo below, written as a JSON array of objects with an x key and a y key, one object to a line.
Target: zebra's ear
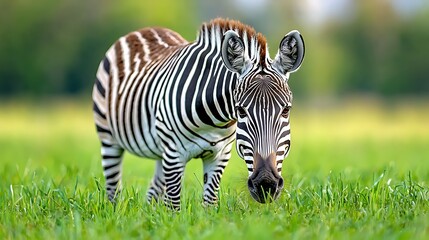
[
  {"x": 290, "y": 54},
  {"x": 233, "y": 52}
]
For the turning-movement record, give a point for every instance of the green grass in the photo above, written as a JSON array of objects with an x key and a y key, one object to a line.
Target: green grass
[{"x": 357, "y": 170}]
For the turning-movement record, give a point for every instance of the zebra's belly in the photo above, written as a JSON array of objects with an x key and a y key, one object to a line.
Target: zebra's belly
[
  {"x": 214, "y": 142},
  {"x": 145, "y": 151}
]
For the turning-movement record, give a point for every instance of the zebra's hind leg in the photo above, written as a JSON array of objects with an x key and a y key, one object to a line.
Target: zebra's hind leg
[
  {"x": 112, "y": 168},
  {"x": 157, "y": 186}
]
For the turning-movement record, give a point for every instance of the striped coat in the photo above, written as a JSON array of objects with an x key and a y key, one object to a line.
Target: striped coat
[{"x": 160, "y": 97}]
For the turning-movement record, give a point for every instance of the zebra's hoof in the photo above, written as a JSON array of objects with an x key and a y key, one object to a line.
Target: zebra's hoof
[{"x": 207, "y": 204}]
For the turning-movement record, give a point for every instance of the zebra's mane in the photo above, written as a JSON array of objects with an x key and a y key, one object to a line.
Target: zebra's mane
[{"x": 224, "y": 25}]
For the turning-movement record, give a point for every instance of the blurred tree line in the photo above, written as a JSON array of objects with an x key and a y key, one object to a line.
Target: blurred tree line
[
  {"x": 52, "y": 48},
  {"x": 383, "y": 53}
]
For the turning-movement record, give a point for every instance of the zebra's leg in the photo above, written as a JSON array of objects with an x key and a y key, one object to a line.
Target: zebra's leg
[
  {"x": 213, "y": 170},
  {"x": 111, "y": 154},
  {"x": 173, "y": 169},
  {"x": 157, "y": 186},
  {"x": 112, "y": 168}
]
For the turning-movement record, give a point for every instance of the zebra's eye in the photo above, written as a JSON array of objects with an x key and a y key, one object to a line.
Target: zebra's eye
[
  {"x": 241, "y": 112},
  {"x": 285, "y": 112}
]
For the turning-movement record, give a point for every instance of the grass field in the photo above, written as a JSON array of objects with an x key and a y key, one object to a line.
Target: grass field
[{"x": 357, "y": 170}]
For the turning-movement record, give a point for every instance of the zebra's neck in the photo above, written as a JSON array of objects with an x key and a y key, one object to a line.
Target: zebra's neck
[
  {"x": 218, "y": 82},
  {"x": 212, "y": 89}
]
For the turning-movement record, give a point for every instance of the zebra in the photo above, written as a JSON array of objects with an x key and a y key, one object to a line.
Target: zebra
[{"x": 161, "y": 97}]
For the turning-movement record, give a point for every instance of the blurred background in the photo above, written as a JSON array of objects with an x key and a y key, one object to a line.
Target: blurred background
[
  {"x": 360, "y": 98},
  {"x": 360, "y": 113},
  {"x": 378, "y": 48}
]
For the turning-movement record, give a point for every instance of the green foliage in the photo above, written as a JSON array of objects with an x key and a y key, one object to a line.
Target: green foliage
[
  {"x": 355, "y": 172},
  {"x": 383, "y": 53},
  {"x": 54, "y": 47}
]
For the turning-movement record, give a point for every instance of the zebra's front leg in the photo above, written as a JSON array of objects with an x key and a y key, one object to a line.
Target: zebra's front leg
[
  {"x": 213, "y": 170},
  {"x": 173, "y": 169},
  {"x": 157, "y": 186}
]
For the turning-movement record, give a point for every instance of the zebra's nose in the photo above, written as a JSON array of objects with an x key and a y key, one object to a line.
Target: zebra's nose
[
  {"x": 265, "y": 182},
  {"x": 265, "y": 188}
]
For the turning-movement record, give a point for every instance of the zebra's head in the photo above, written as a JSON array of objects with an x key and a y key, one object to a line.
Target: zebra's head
[{"x": 263, "y": 101}]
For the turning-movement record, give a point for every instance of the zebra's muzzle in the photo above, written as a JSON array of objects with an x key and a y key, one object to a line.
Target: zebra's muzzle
[{"x": 265, "y": 183}]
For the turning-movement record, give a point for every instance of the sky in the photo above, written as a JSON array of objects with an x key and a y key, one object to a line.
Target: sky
[{"x": 316, "y": 12}]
